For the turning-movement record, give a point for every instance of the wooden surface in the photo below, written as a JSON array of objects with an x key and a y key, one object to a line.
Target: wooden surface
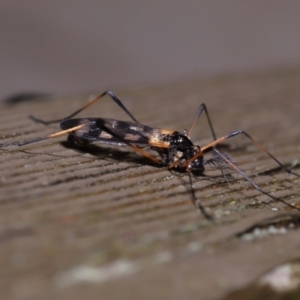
[{"x": 107, "y": 224}]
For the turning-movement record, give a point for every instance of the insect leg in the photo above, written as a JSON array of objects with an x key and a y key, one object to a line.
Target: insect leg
[
  {"x": 252, "y": 182},
  {"x": 53, "y": 135},
  {"x": 259, "y": 146},
  {"x": 202, "y": 108},
  {"x": 196, "y": 201},
  {"x": 109, "y": 93}
]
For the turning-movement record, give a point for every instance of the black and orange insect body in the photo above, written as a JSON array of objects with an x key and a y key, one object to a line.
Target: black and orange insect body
[{"x": 174, "y": 148}]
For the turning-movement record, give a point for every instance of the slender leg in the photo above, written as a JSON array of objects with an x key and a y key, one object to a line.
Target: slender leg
[
  {"x": 53, "y": 135},
  {"x": 109, "y": 93},
  {"x": 199, "y": 112},
  {"x": 70, "y": 130},
  {"x": 259, "y": 146},
  {"x": 252, "y": 182},
  {"x": 196, "y": 201},
  {"x": 232, "y": 134}
]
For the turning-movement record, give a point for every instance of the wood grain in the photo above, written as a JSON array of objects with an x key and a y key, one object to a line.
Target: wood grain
[{"x": 107, "y": 222}]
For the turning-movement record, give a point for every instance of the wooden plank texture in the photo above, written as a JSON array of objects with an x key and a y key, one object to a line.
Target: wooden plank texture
[{"x": 107, "y": 224}]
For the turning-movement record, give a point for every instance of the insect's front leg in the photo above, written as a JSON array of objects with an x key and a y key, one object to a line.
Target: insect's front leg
[{"x": 196, "y": 201}]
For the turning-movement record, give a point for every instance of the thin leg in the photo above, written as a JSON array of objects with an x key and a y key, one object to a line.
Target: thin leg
[
  {"x": 232, "y": 134},
  {"x": 251, "y": 181},
  {"x": 200, "y": 153},
  {"x": 53, "y": 135},
  {"x": 109, "y": 93},
  {"x": 57, "y": 134},
  {"x": 199, "y": 112},
  {"x": 197, "y": 202}
]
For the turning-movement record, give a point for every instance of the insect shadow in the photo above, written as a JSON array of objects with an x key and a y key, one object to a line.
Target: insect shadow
[
  {"x": 174, "y": 149},
  {"x": 109, "y": 153},
  {"x": 25, "y": 97}
]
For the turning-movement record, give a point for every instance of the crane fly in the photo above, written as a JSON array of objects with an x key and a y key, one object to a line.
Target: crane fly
[{"x": 174, "y": 148}]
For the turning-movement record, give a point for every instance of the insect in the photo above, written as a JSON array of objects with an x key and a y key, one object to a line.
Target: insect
[{"x": 174, "y": 148}]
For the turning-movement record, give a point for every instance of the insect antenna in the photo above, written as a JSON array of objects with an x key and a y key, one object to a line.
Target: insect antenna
[{"x": 97, "y": 98}]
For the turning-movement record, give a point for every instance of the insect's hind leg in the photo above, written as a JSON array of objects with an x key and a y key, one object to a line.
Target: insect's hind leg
[
  {"x": 50, "y": 136},
  {"x": 202, "y": 108},
  {"x": 109, "y": 93}
]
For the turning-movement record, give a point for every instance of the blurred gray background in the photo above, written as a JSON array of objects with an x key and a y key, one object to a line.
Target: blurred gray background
[{"x": 69, "y": 47}]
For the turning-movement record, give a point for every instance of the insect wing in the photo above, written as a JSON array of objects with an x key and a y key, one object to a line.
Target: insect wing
[{"x": 110, "y": 131}]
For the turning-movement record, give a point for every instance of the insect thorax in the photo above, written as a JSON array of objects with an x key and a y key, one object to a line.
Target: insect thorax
[{"x": 181, "y": 148}]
